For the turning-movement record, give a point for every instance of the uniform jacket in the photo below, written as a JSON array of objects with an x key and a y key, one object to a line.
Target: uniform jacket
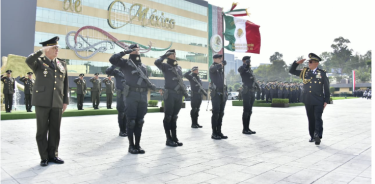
[
  {"x": 169, "y": 76},
  {"x": 194, "y": 86},
  {"x": 316, "y": 86},
  {"x": 51, "y": 84},
  {"x": 109, "y": 86},
  {"x": 9, "y": 85},
  {"x": 81, "y": 86},
  {"x": 96, "y": 85},
  {"x": 28, "y": 83}
]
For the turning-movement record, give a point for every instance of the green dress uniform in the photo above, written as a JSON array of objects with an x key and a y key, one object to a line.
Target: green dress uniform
[
  {"x": 8, "y": 90},
  {"x": 110, "y": 88},
  {"x": 95, "y": 92},
  {"x": 81, "y": 91},
  {"x": 28, "y": 90},
  {"x": 50, "y": 92}
]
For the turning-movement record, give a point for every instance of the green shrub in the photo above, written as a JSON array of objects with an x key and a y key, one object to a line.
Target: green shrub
[
  {"x": 280, "y": 101},
  {"x": 152, "y": 103},
  {"x": 330, "y": 99},
  {"x": 162, "y": 103}
]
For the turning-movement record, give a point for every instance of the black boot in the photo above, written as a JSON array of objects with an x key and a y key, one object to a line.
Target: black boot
[
  {"x": 122, "y": 124},
  {"x": 193, "y": 120},
  {"x": 214, "y": 121},
  {"x": 245, "y": 116},
  {"x": 248, "y": 124},
  {"x": 174, "y": 130},
  {"x": 167, "y": 128},
  {"x": 138, "y": 133},
  {"x": 196, "y": 119},
  {"x": 219, "y": 133}
]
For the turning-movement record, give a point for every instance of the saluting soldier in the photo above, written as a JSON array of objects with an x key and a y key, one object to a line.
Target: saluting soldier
[
  {"x": 121, "y": 99},
  {"x": 268, "y": 92},
  {"x": 28, "y": 90},
  {"x": 110, "y": 89},
  {"x": 81, "y": 90},
  {"x": 196, "y": 95},
  {"x": 50, "y": 98},
  {"x": 258, "y": 91},
  {"x": 248, "y": 93},
  {"x": 8, "y": 91},
  {"x": 263, "y": 89},
  {"x": 291, "y": 93},
  {"x": 219, "y": 96},
  {"x": 135, "y": 92},
  {"x": 286, "y": 90},
  {"x": 95, "y": 91},
  {"x": 316, "y": 94},
  {"x": 280, "y": 88},
  {"x": 173, "y": 92}
]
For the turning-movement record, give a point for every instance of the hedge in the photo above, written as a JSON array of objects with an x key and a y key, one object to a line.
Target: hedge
[
  {"x": 153, "y": 103},
  {"x": 280, "y": 101}
]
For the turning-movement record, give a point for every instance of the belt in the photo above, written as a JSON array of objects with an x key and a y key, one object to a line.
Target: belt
[
  {"x": 138, "y": 89},
  {"x": 172, "y": 90},
  {"x": 219, "y": 89}
]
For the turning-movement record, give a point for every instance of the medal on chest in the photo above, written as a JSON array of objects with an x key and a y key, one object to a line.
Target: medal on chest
[
  {"x": 45, "y": 72},
  {"x": 60, "y": 66}
]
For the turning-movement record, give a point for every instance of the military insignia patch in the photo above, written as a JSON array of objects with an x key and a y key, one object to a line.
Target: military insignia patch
[{"x": 45, "y": 65}]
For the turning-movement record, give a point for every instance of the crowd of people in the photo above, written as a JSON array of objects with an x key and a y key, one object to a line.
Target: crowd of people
[{"x": 363, "y": 93}]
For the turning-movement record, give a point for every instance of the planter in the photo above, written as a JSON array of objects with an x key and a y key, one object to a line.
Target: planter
[
  {"x": 161, "y": 109},
  {"x": 237, "y": 103},
  {"x": 280, "y": 105}
]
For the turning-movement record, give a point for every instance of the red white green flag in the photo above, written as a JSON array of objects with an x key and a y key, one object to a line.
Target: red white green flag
[{"x": 243, "y": 35}]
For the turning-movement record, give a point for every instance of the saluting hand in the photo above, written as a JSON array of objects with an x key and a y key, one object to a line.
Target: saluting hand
[
  {"x": 64, "y": 108},
  {"x": 301, "y": 61}
]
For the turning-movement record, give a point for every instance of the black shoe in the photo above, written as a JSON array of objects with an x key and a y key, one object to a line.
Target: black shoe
[
  {"x": 311, "y": 139},
  {"x": 178, "y": 142},
  {"x": 123, "y": 134},
  {"x": 44, "y": 162},
  {"x": 140, "y": 150},
  {"x": 252, "y": 132},
  {"x": 317, "y": 140},
  {"x": 222, "y": 136},
  {"x": 246, "y": 132},
  {"x": 194, "y": 126},
  {"x": 57, "y": 160},
  {"x": 30, "y": 111},
  {"x": 171, "y": 143},
  {"x": 199, "y": 126},
  {"x": 215, "y": 136},
  {"x": 132, "y": 150}
]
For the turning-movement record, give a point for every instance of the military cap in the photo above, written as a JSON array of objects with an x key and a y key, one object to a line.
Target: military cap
[
  {"x": 194, "y": 68},
  {"x": 313, "y": 56},
  {"x": 246, "y": 58},
  {"x": 96, "y": 74},
  {"x": 81, "y": 75},
  {"x": 132, "y": 46},
  {"x": 50, "y": 42},
  {"x": 217, "y": 56},
  {"x": 30, "y": 73},
  {"x": 8, "y": 71}
]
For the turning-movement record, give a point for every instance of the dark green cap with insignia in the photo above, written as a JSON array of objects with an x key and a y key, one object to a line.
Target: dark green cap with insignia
[
  {"x": 314, "y": 57},
  {"x": 8, "y": 71},
  {"x": 81, "y": 75},
  {"x": 50, "y": 42},
  {"x": 194, "y": 68},
  {"x": 96, "y": 74},
  {"x": 30, "y": 73}
]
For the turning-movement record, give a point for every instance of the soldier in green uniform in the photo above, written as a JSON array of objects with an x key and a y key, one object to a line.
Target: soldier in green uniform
[
  {"x": 316, "y": 94},
  {"x": 9, "y": 86},
  {"x": 28, "y": 90},
  {"x": 50, "y": 98},
  {"x": 110, "y": 88},
  {"x": 81, "y": 90},
  {"x": 95, "y": 91}
]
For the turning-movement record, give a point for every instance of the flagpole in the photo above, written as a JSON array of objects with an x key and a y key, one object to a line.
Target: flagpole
[{"x": 222, "y": 22}]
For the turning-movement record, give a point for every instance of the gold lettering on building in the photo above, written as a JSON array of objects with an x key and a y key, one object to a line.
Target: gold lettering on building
[{"x": 72, "y": 5}]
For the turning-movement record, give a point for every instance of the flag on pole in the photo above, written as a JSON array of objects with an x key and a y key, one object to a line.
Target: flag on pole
[
  {"x": 243, "y": 35},
  {"x": 353, "y": 80}
]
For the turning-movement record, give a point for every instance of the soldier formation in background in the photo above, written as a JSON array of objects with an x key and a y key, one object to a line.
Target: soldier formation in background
[
  {"x": 173, "y": 92},
  {"x": 28, "y": 90},
  {"x": 8, "y": 90},
  {"x": 95, "y": 91},
  {"x": 109, "y": 90},
  {"x": 81, "y": 90},
  {"x": 50, "y": 98}
]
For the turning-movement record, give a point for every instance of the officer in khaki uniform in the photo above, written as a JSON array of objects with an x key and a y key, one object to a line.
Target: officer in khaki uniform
[
  {"x": 9, "y": 86},
  {"x": 95, "y": 91},
  {"x": 316, "y": 94},
  {"x": 28, "y": 90},
  {"x": 50, "y": 98},
  {"x": 110, "y": 88},
  {"x": 81, "y": 90}
]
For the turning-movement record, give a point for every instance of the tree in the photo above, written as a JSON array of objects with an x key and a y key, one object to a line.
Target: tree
[
  {"x": 340, "y": 56},
  {"x": 276, "y": 56}
]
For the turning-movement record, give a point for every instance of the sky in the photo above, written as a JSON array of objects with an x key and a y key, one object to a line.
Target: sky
[{"x": 298, "y": 27}]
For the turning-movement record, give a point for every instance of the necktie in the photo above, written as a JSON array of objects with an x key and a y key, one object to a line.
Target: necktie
[{"x": 52, "y": 65}]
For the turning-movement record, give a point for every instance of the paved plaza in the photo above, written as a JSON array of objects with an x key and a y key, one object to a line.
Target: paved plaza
[{"x": 278, "y": 153}]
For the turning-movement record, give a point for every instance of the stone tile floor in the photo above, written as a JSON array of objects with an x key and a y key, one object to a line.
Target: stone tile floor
[{"x": 278, "y": 153}]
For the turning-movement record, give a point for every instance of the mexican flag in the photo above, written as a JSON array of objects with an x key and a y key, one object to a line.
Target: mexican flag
[{"x": 243, "y": 35}]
